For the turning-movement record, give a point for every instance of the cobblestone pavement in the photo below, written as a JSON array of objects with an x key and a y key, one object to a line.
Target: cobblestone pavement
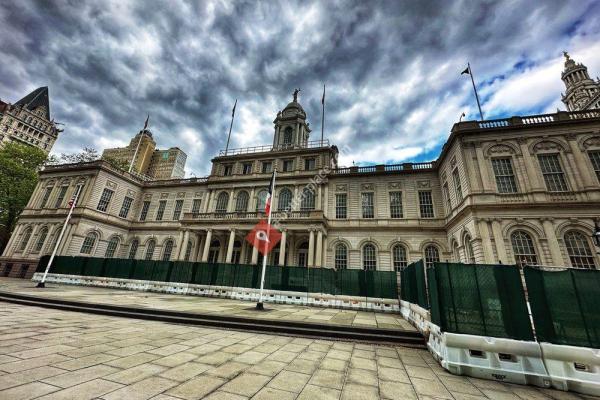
[
  {"x": 208, "y": 305},
  {"x": 52, "y": 354}
]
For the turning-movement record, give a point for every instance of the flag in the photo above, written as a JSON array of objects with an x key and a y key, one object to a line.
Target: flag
[
  {"x": 146, "y": 123},
  {"x": 466, "y": 71},
  {"x": 264, "y": 237},
  {"x": 270, "y": 194},
  {"x": 323, "y": 98},
  {"x": 233, "y": 111}
]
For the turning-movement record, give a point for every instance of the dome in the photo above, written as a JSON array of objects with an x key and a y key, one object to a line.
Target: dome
[{"x": 294, "y": 105}]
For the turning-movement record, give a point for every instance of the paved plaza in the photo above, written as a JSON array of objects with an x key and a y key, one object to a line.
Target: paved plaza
[
  {"x": 52, "y": 354},
  {"x": 208, "y": 305}
]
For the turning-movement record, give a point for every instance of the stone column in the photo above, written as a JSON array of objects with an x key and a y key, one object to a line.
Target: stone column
[
  {"x": 230, "y": 246},
  {"x": 488, "y": 185},
  {"x": 311, "y": 248},
  {"x": 531, "y": 169},
  {"x": 179, "y": 244},
  {"x": 295, "y": 203},
  {"x": 319, "y": 205},
  {"x": 65, "y": 239},
  {"x": 282, "y": 248},
  {"x": 553, "y": 246},
  {"x": 255, "y": 253},
  {"x": 207, "y": 245},
  {"x": 581, "y": 164},
  {"x": 199, "y": 248},
  {"x": 319, "y": 252},
  {"x": 486, "y": 243},
  {"x": 184, "y": 245},
  {"x": 499, "y": 240}
]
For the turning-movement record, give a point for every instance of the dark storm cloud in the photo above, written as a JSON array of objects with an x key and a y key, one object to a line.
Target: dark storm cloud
[{"x": 391, "y": 68}]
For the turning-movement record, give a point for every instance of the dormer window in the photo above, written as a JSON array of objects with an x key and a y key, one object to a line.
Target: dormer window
[
  {"x": 267, "y": 167},
  {"x": 228, "y": 170},
  {"x": 247, "y": 168}
]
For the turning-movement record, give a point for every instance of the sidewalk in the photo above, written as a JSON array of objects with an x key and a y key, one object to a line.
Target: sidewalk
[{"x": 208, "y": 305}]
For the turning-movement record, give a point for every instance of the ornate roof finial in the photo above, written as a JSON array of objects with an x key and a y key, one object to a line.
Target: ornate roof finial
[
  {"x": 566, "y": 56},
  {"x": 296, "y": 95}
]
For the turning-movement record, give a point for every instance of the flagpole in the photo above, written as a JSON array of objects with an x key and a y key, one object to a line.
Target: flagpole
[
  {"x": 41, "y": 284},
  {"x": 138, "y": 145},
  {"x": 230, "y": 126},
  {"x": 323, "y": 114},
  {"x": 475, "y": 90},
  {"x": 259, "y": 305}
]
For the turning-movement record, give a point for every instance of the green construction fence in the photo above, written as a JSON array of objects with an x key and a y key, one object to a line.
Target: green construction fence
[{"x": 349, "y": 282}]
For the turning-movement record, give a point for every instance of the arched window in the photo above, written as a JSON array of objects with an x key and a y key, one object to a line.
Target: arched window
[
  {"x": 285, "y": 200},
  {"x": 222, "y": 201},
  {"x": 579, "y": 251},
  {"x": 41, "y": 239},
  {"x": 133, "y": 248},
  {"x": 469, "y": 249},
  {"x": 25, "y": 238},
  {"x": 213, "y": 252},
  {"x": 303, "y": 254},
  {"x": 111, "y": 248},
  {"x": 168, "y": 250},
  {"x": 523, "y": 248},
  {"x": 150, "y": 250},
  {"x": 432, "y": 255},
  {"x": 261, "y": 200},
  {"x": 369, "y": 257},
  {"x": 341, "y": 256},
  {"x": 88, "y": 243},
  {"x": 456, "y": 251},
  {"x": 241, "y": 203},
  {"x": 399, "y": 257},
  {"x": 287, "y": 135},
  {"x": 308, "y": 200},
  {"x": 188, "y": 251}
]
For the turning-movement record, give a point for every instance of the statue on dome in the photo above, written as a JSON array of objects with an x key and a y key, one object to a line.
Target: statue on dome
[
  {"x": 567, "y": 56},
  {"x": 296, "y": 95}
]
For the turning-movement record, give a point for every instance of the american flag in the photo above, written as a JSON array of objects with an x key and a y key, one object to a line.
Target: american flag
[{"x": 270, "y": 194}]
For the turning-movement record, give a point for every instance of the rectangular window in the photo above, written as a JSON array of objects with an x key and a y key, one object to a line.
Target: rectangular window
[
  {"x": 447, "y": 196},
  {"x": 288, "y": 165},
  {"x": 105, "y": 199},
  {"x": 396, "y": 205},
  {"x": 267, "y": 166},
  {"x": 553, "y": 173},
  {"x": 46, "y": 196},
  {"x": 426, "y": 204},
  {"x": 341, "y": 205},
  {"x": 61, "y": 196},
  {"x": 246, "y": 168},
  {"x": 228, "y": 170},
  {"x": 196, "y": 206},
  {"x": 309, "y": 163},
  {"x": 125, "y": 207},
  {"x": 145, "y": 208},
  {"x": 177, "y": 212},
  {"x": 505, "y": 177},
  {"x": 368, "y": 209},
  {"x": 161, "y": 210},
  {"x": 595, "y": 159},
  {"x": 457, "y": 185}
]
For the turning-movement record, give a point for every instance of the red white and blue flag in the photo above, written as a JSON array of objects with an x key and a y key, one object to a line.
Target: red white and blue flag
[{"x": 270, "y": 194}]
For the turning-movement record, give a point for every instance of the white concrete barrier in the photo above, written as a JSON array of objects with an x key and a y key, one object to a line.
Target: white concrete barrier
[
  {"x": 573, "y": 368},
  {"x": 505, "y": 360},
  {"x": 248, "y": 294}
]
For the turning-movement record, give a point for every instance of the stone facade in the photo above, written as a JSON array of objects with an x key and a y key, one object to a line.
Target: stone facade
[
  {"x": 28, "y": 121},
  {"x": 582, "y": 92},
  {"x": 519, "y": 190},
  {"x": 150, "y": 163}
]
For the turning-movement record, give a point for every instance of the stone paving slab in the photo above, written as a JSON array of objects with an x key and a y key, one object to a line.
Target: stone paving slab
[
  {"x": 242, "y": 365},
  {"x": 208, "y": 305}
]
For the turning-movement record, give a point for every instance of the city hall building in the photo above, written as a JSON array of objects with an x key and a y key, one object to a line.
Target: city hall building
[{"x": 520, "y": 190}]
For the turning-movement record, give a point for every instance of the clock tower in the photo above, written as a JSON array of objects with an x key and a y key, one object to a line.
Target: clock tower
[
  {"x": 291, "y": 128},
  {"x": 582, "y": 92}
]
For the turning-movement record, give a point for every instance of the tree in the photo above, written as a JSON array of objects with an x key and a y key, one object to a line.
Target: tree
[
  {"x": 19, "y": 166},
  {"x": 88, "y": 154},
  {"x": 117, "y": 163}
]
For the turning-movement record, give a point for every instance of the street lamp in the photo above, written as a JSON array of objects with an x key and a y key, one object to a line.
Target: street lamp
[{"x": 596, "y": 234}]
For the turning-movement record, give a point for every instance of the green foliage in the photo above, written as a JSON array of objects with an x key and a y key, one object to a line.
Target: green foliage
[
  {"x": 117, "y": 163},
  {"x": 19, "y": 166},
  {"x": 88, "y": 154}
]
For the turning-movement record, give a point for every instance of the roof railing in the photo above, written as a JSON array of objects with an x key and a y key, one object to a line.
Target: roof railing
[{"x": 311, "y": 144}]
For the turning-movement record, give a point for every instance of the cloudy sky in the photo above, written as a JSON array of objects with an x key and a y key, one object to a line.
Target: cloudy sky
[{"x": 392, "y": 68}]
